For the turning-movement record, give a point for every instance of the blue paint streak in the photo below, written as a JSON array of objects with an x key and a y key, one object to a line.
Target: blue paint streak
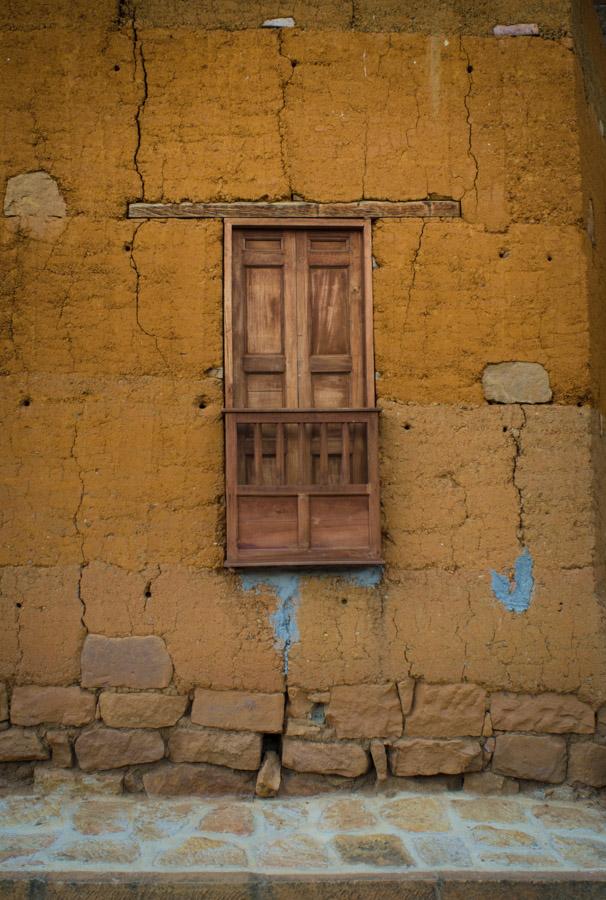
[
  {"x": 516, "y": 597},
  {"x": 368, "y": 577},
  {"x": 284, "y": 619}
]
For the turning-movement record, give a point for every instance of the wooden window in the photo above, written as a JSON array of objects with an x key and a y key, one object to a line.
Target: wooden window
[{"x": 301, "y": 424}]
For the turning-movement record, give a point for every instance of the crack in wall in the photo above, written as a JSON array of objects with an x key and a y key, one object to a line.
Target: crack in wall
[
  {"x": 134, "y": 266},
  {"x": 73, "y": 456},
  {"x": 470, "y": 152},
  {"x": 413, "y": 274},
  {"x": 139, "y": 63},
  {"x": 516, "y": 434},
  {"x": 281, "y": 123}
]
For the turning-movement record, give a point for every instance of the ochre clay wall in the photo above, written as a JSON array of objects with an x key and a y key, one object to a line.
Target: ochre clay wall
[{"x": 117, "y": 613}]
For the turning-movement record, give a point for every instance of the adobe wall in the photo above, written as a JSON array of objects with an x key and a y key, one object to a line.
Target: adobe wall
[{"x": 480, "y": 645}]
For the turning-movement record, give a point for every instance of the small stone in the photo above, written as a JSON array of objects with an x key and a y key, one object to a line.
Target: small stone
[
  {"x": 238, "y": 710},
  {"x": 447, "y": 710},
  {"x": 235, "y": 749},
  {"x": 295, "y": 852},
  {"x": 343, "y": 758},
  {"x": 309, "y": 784},
  {"x": 588, "y": 764},
  {"x": 443, "y": 851},
  {"x": 269, "y": 777},
  {"x": 489, "y": 810},
  {"x": 197, "y": 780},
  {"x": 489, "y": 783},
  {"x": 287, "y": 22},
  {"x": 17, "y": 847},
  {"x": 61, "y": 748},
  {"x": 299, "y": 703},
  {"x": 516, "y": 382},
  {"x": 582, "y": 853},
  {"x": 522, "y": 29},
  {"x": 372, "y": 850},
  {"x": 548, "y": 712},
  {"x": 104, "y": 748},
  {"x": 419, "y": 756},
  {"x": 530, "y": 757},
  {"x": 202, "y": 851},
  {"x": 77, "y": 783},
  {"x": 305, "y": 729},
  {"x": 35, "y": 199},
  {"x": 406, "y": 692},
  {"x": 100, "y": 851},
  {"x": 132, "y": 662},
  {"x": 569, "y": 818},
  {"x": 503, "y": 837},
  {"x": 232, "y": 819},
  {"x": 145, "y": 710},
  {"x": 416, "y": 814},
  {"x": 101, "y": 816},
  {"x": 32, "y": 705},
  {"x": 379, "y": 758},
  {"x": 487, "y": 728},
  {"x": 365, "y": 711},
  {"x": 347, "y": 815},
  {"x": 17, "y": 744},
  {"x": 3, "y": 702}
]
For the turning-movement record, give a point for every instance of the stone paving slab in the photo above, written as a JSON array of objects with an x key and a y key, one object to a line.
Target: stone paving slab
[{"x": 407, "y": 834}]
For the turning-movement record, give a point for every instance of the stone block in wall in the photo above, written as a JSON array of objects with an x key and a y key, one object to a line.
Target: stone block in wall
[
  {"x": 133, "y": 662},
  {"x": 3, "y": 703},
  {"x": 270, "y": 775},
  {"x": 19, "y": 744},
  {"x": 146, "y": 710},
  {"x": 202, "y": 780},
  {"x": 238, "y": 710},
  {"x": 550, "y": 712},
  {"x": 406, "y": 690},
  {"x": 365, "y": 711},
  {"x": 587, "y": 764},
  {"x": 446, "y": 710},
  {"x": 104, "y": 748},
  {"x": 379, "y": 759},
  {"x": 33, "y": 705},
  {"x": 325, "y": 758},
  {"x": 489, "y": 783},
  {"x": 516, "y": 382},
  {"x": 421, "y": 756},
  {"x": 234, "y": 749},
  {"x": 533, "y": 757},
  {"x": 60, "y": 745},
  {"x": 76, "y": 783}
]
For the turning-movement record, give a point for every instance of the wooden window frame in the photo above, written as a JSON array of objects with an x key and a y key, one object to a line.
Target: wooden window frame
[{"x": 367, "y": 414}]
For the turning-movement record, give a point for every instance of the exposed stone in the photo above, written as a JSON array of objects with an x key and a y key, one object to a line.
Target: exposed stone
[
  {"x": 554, "y": 713},
  {"x": 532, "y": 757},
  {"x": 588, "y": 764},
  {"x": 17, "y": 744},
  {"x": 32, "y": 705},
  {"x": 493, "y": 810},
  {"x": 372, "y": 850},
  {"x": 77, "y": 784},
  {"x": 133, "y": 662},
  {"x": 349, "y": 814},
  {"x": 100, "y": 851},
  {"x": 516, "y": 382},
  {"x": 145, "y": 710},
  {"x": 202, "y": 851},
  {"x": 417, "y": 756},
  {"x": 345, "y": 758},
  {"x": 104, "y": 748},
  {"x": 235, "y": 749},
  {"x": 228, "y": 819},
  {"x": 34, "y": 198},
  {"x": 309, "y": 784},
  {"x": 299, "y": 703},
  {"x": 60, "y": 746},
  {"x": 406, "y": 691},
  {"x": 379, "y": 758},
  {"x": 3, "y": 703},
  {"x": 365, "y": 711},
  {"x": 416, "y": 814},
  {"x": 238, "y": 710},
  {"x": 197, "y": 780},
  {"x": 298, "y": 851},
  {"x": 269, "y": 777},
  {"x": 504, "y": 838},
  {"x": 487, "y": 728},
  {"x": 558, "y": 818},
  {"x": 305, "y": 729},
  {"x": 489, "y": 783},
  {"x": 287, "y": 22},
  {"x": 102, "y": 816},
  {"x": 522, "y": 29},
  {"x": 448, "y": 710}
]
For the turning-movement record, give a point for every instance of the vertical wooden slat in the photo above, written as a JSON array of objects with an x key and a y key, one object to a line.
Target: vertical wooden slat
[
  {"x": 323, "y": 453},
  {"x": 302, "y": 453},
  {"x": 228, "y": 315},
  {"x": 231, "y": 478},
  {"x": 303, "y": 523},
  {"x": 258, "y": 450},
  {"x": 280, "y": 453},
  {"x": 345, "y": 457},
  {"x": 368, "y": 315},
  {"x": 372, "y": 439}
]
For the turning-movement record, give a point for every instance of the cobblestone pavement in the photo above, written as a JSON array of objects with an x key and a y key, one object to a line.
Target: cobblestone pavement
[{"x": 406, "y": 832}]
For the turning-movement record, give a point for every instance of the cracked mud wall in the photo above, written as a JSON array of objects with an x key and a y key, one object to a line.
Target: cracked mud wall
[{"x": 112, "y": 518}]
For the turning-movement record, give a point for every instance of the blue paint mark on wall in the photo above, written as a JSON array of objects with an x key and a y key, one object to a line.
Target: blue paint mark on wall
[
  {"x": 284, "y": 620},
  {"x": 515, "y": 597},
  {"x": 367, "y": 577}
]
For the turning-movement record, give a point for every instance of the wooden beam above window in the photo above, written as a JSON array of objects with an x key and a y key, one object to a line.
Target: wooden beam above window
[{"x": 364, "y": 209}]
